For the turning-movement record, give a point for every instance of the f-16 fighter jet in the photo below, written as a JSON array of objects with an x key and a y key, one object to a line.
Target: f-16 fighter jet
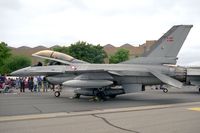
[{"x": 156, "y": 67}]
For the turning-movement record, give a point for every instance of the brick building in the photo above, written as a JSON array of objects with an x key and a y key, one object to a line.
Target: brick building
[{"x": 134, "y": 51}]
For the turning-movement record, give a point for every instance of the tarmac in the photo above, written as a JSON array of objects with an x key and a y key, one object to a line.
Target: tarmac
[{"x": 144, "y": 112}]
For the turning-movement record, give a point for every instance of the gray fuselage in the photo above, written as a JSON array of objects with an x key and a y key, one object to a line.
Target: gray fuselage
[{"x": 121, "y": 73}]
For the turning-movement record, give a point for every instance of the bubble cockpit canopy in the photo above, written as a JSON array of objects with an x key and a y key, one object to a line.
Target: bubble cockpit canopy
[{"x": 57, "y": 56}]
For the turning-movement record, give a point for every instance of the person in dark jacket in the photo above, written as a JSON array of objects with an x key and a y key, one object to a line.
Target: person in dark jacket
[
  {"x": 30, "y": 83},
  {"x": 22, "y": 85}
]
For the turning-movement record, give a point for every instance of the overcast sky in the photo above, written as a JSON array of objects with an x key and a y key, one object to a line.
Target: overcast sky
[{"x": 62, "y": 22}]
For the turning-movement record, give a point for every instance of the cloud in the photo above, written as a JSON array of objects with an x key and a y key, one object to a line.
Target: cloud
[
  {"x": 51, "y": 22},
  {"x": 9, "y": 5}
]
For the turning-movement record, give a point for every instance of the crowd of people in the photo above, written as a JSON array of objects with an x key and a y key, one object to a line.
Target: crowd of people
[
  {"x": 6, "y": 83},
  {"x": 33, "y": 84}
]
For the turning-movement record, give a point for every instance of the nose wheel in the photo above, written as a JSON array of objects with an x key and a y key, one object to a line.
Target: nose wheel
[
  {"x": 57, "y": 93},
  {"x": 58, "y": 90}
]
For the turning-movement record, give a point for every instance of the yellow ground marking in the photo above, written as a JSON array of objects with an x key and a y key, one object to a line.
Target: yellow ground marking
[{"x": 195, "y": 109}]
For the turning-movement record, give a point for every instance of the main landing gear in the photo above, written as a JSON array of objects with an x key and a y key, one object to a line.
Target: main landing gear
[
  {"x": 102, "y": 95},
  {"x": 112, "y": 96},
  {"x": 98, "y": 95},
  {"x": 76, "y": 96}
]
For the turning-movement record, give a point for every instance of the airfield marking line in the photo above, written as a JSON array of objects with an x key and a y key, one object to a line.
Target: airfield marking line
[
  {"x": 92, "y": 112},
  {"x": 194, "y": 109}
]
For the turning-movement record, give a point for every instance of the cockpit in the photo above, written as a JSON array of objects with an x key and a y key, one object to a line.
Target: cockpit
[
  {"x": 53, "y": 55},
  {"x": 56, "y": 58}
]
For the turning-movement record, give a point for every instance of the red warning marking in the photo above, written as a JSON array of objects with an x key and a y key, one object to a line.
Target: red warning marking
[{"x": 170, "y": 39}]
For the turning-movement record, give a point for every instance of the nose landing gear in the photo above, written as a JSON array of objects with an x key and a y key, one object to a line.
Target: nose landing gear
[
  {"x": 57, "y": 93},
  {"x": 58, "y": 90}
]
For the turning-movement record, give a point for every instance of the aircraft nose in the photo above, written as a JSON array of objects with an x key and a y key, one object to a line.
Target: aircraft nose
[
  {"x": 13, "y": 73},
  {"x": 20, "y": 72},
  {"x": 16, "y": 73}
]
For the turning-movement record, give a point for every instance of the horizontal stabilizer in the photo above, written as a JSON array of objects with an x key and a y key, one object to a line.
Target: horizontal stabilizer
[
  {"x": 167, "y": 80},
  {"x": 193, "y": 75},
  {"x": 193, "y": 71}
]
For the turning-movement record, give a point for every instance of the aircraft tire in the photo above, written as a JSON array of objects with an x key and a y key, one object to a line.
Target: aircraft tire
[
  {"x": 77, "y": 96},
  {"x": 165, "y": 90},
  {"x": 112, "y": 96},
  {"x": 101, "y": 96},
  {"x": 57, "y": 93}
]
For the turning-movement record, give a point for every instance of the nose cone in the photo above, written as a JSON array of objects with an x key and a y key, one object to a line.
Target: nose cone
[{"x": 21, "y": 72}]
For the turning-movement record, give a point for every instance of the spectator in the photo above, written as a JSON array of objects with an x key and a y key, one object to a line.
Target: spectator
[
  {"x": 22, "y": 85},
  {"x": 39, "y": 80},
  {"x": 30, "y": 83},
  {"x": 35, "y": 83},
  {"x": 45, "y": 83},
  {"x": 17, "y": 83},
  {"x": 2, "y": 81}
]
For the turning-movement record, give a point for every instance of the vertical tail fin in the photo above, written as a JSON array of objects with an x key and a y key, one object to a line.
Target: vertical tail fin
[
  {"x": 170, "y": 43},
  {"x": 166, "y": 49}
]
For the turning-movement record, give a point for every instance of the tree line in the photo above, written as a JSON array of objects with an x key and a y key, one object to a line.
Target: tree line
[
  {"x": 80, "y": 50},
  {"x": 9, "y": 62}
]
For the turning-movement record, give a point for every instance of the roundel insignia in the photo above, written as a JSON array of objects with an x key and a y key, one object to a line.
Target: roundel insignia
[{"x": 73, "y": 67}]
